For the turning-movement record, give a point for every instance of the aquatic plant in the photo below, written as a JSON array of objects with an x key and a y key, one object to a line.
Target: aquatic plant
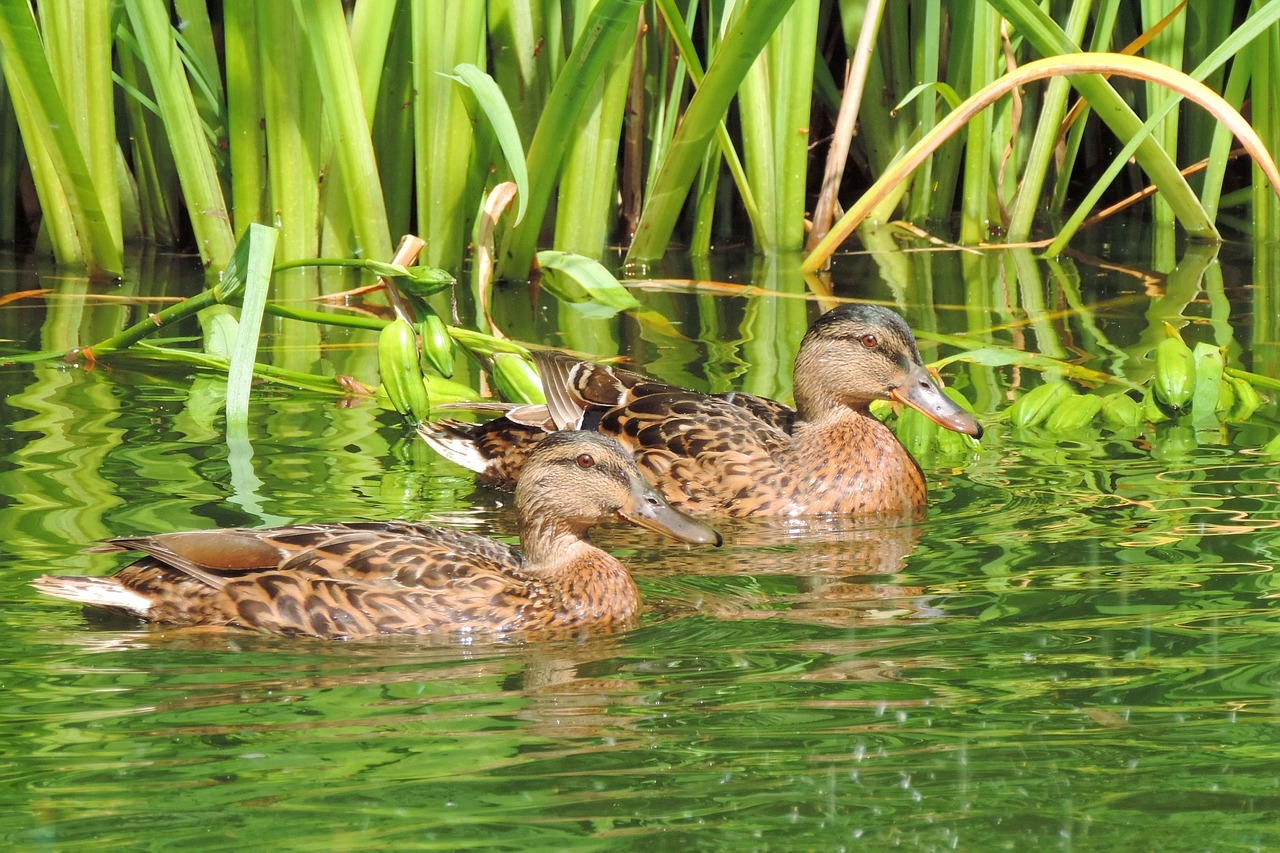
[{"x": 622, "y": 120}]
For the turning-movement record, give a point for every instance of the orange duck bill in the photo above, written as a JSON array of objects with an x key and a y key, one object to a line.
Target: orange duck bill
[
  {"x": 648, "y": 509},
  {"x": 921, "y": 393}
]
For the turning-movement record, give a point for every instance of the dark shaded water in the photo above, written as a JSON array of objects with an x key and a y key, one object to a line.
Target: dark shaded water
[{"x": 1077, "y": 649}]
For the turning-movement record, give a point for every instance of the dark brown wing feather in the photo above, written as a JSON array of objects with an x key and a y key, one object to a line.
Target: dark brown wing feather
[
  {"x": 771, "y": 412},
  {"x": 621, "y": 402},
  {"x": 707, "y": 455}
]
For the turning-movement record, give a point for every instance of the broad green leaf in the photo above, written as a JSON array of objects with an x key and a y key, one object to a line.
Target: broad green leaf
[
  {"x": 578, "y": 279},
  {"x": 251, "y": 262},
  {"x": 488, "y": 97}
]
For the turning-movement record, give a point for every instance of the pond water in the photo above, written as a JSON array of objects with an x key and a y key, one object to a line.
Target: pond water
[{"x": 1075, "y": 650}]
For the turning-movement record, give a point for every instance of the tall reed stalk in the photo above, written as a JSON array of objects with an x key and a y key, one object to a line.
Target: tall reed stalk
[{"x": 313, "y": 117}]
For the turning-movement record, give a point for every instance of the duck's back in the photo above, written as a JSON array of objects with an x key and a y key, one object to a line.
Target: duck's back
[{"x": 325, "y": 580}]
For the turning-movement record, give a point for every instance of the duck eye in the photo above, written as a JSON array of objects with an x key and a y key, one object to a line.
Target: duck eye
[
  {"x": 586, "y": 460},
  {"x": 870, "y": 341}
]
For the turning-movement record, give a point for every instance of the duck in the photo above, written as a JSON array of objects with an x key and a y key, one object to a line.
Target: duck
[
  {"x": 737, "y": 454},
  {"x": 363, "y": 579}
]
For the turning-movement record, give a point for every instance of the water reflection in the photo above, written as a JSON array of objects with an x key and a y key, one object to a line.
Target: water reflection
[{"x": 1075, "y": 647}]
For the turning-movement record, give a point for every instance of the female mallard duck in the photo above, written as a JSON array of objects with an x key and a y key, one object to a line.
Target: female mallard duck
[
  {"x": 395, "y": 577},
  {"x": 737, "y": 454}
]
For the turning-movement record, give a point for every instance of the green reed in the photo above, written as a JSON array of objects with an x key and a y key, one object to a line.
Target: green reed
[{"x": 328, "y": 124}]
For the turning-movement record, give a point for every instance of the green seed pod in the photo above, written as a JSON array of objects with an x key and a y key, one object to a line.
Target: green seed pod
[
  {"x": 443, "y": 391},
  {"x": 1175, "y": 377},
  {"x": 437, "y": 345},
  {"x": 1208, "y": 387},
  {"x": 1038, "y": 403},
  {"x": 1247, "y": 399},
  {"x": 1226, "y": 398},
  {"x": 1120, "y": 410},
  {"x": 1151, "y": 410},
  {"x": 515, "y": 379},
  {"x": 401, "y": 373},
  {"x": 1073, "y": 413}
]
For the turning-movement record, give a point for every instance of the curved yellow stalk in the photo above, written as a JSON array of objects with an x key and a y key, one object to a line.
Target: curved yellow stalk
[{"x": 1057, "y": 66}]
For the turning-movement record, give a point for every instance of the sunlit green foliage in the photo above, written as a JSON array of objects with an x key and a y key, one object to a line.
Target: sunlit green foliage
[{"x": 669, "y": 121}]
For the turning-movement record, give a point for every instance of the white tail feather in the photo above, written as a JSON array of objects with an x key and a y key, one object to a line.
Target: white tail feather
[
  {"x": 99, "y": 592},
  {"x": 457, "y": 449}
]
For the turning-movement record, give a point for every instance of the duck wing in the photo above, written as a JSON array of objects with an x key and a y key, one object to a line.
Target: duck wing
[
  {"x": 707, "y": 455},
  {"x": 582, "y": 395},
  {"x": 777, "y": 415}
]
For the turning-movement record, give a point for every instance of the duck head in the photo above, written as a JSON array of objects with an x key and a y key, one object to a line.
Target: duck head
[
  {"x": 856, "y": 353},
  {"x": 575, "y": 480}
]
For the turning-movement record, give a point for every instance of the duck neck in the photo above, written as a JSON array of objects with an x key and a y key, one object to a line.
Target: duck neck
[
  {"x": 816, "y": 399},
  {"x": 553, "y": 546},
  {"x": 860, "y": 462},
  {"x": 592, "y": 584}
]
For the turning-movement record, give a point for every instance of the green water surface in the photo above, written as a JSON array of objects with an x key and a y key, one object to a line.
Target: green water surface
[{"x": 1078, "y": 649}]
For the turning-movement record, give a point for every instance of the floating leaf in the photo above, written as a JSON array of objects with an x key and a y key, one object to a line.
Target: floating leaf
[{"x": 577, "y": 279}]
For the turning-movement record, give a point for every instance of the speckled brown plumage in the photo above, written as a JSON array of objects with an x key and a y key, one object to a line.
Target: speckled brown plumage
[
  {"x": 395, "y": 577},
  {"x": 737, "y": 454}
]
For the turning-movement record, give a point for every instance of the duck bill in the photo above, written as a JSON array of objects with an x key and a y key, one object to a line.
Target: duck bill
[
  {"x": 648, "y": 509},
  {"x": 921, "y": 393}
]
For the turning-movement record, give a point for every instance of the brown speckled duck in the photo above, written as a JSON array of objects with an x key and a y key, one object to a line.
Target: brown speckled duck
[
  {"x": 363, "y": 579},
  {"x": 737, "y": 454}
]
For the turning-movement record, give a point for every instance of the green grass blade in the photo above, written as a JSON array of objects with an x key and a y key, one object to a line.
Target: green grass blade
[
  {"x": 1077, "y": 67},
  {"x": 739, "y": 50},
  {"x": 1220, "y": 146},
  {"x": 1166, "y": 48},
  {"x": 194, "y": 35},
  {"x": 393, "y": 137},
  {"x": 1048, "y": 125},
  {"x": 524, "y": 62},
  {"x": 293, "y": 127},
  {"x": 245, "y": 114},
  {"x": 1256, "y": 25},
  {"x": 77, "y": 37},
  {"x": 197, "y": 170},
  {"x": 47, "y": 128},
  {"x": 679, "y": 30},
  {"x": 252, "y": 262},
  {"x": 371, "y": 34},
  {"x": 326, "y": 32},
  {"x": 790, "y": 57},
  {"x": 1049, "y": 40},
  {"x": 982, "y": 40},
  {"x": 587, "y": 209},
  {"x": 11, "y": 161},
  {"x": 449, "y": 186},
  {"x": 609, "y": 21},
  {"x": 488, "y": 97}
]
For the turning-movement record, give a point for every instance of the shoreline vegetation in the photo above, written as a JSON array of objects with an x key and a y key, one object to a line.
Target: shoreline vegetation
[{"x": 525, "y": 140}]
